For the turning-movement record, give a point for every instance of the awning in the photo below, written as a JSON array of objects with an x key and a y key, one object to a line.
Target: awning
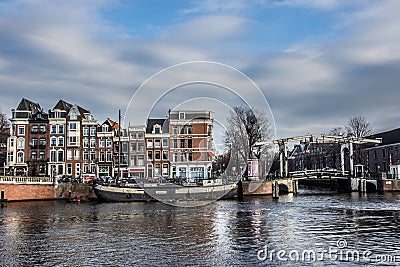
[{"x": 211, "y": 154}]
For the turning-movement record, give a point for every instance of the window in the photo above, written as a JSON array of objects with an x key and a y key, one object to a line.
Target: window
[
  {"x": 149, "y": 143},
  {"x": 20, "y": 157},
  {"x": 61, "y": 129},
  {"x": 165, "y": 169},
  {"x": 77, "y": 154},
  {"x": 183, "y": 157},
  {"x": 189, "y": 129},
  {"x": 175, "y": 143},
  {"x": 11, "y": 142},
  {"x": 85, "y": 168},
  {"x": 175, "y": 156},
  {"x": 35, "y": 129},
  {"x": 182, "y": 143},
  {"x": 85, "y": 156},
  {"x": 41, "y": 155},
  {"x": 72, "y": 141},
  {"x": 157, "y": 155},
  {"x": 21, "y": 143},
  {"x": 69, "y": 168},
  {"x": 182, "y": 129},
  {"x": 34, "y": 141},
  {"x": 124, "y": 147},
  {"x": 85, "y": 131},
  {"x": 140, "y": 147},
  {"x": 109, "y": 156},
  {"x": 150, "y": 170},
  {"x": 53, "y": 141},
  {"x": 140, "y": 160},
  {"x": 190, "y": 157},
  {"x": 34, "y": 155},
  {"x": 181, "y": 115},
  {"x": 10, "y": 157},
  {"x": 72, "y": 126},
  {"x": 92, "y": 131},
  {"x": 53, "y": 155},
  {"x": 149, "y": 155},
  {"x": 42, "y": 141},
  {"x": 101, "y": 143},
  {"x": 42, "y": 128},
  {"x": 157, "y": 129},
  {"x": 93, "y": 168},
  {"x": 140, "y": 136},
  {"x": 108, "y": 143},
  {"x": 104, "y": 128},
  {"x": 102, "y": 156},
  {"x": 92, "y": 143},
  {"x": 60, "y": 141},
  {"x": 165, "y": 155},
  {"x": 165, "y": 142},
  {"x": 69, "y": 154},
  {"x": 133, "y": 147},
  {"x": 133, "y": 135},
  {"x": 92, "y": 155},
  {"x": 190, "y": 144},
  {"x": 85, "y": 143},
  {"x": 157, "y": 143},
  {"x": 21, "y": 130},
  {"x": 60, "y": 156},
  {"x": 133, "y": 161},
  {"x": 175, "y": 129},
  {"x": 53, "y": 129},
  {"x": 157, "y": 170}
]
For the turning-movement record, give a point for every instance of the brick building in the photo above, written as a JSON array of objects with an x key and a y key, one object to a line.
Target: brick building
[{"x": 190, "y": 144}]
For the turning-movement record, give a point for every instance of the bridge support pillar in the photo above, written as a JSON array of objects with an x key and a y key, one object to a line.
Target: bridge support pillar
[
  {"x": 275, "y": 190},
  {"x": 295, "y": 184},
  {"x": 362, "y": 185}
]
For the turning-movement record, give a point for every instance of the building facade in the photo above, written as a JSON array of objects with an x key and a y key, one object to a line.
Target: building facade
[
  {"x": 191, "y": 143},
  {"x": 137, "y": 153},
  {"x": 157, "y": 148}
]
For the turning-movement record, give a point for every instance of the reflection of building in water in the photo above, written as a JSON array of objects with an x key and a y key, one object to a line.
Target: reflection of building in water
[{"x": 190, "y": 144}]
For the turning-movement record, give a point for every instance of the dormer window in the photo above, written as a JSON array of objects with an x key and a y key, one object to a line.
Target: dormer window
[
  {"x": 105, "y": 128},
  {"x": 157, "y": 129}
]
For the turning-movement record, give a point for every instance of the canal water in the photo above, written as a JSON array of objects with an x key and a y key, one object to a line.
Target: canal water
[{"x": 305, "y": 230}]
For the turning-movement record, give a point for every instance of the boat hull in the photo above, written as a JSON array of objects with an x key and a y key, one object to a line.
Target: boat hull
[
  {"x": 120, "y": 194},
  {"x": 165, "y": 193}
]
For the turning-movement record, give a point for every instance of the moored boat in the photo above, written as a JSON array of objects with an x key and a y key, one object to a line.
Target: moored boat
[{"x": 208, "y": 190}]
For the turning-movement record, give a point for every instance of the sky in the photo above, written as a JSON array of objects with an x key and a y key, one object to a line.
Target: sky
[{"x": 317, "y": 62}]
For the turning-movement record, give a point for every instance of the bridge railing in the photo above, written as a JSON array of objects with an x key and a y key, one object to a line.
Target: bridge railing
[
  {"x": 318, "y": 173},
  {"x": 25, "y": 180}
]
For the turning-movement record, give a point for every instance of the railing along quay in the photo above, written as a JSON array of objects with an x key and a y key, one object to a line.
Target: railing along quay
[{"x": 25, "y": 180}]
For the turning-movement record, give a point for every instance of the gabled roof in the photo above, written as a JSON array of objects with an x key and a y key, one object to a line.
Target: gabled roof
[
  {"x": 62, "y": 105},
  {"x": 164, "y": 123},
  {"x": 27, "y": 105},
  {"x": 388, "y": 137},
  {"x": 82, "y": 110}
]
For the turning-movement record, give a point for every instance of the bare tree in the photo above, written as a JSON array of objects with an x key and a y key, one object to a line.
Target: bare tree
[
  {"x": 358, "y": 126},
  {"x": 337, "y": 131},
  {"x": 245, "y": 128},
  {"x": 4, "y": 122}
]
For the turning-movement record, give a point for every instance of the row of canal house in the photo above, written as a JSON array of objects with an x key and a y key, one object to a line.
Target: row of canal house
[{"x": 68, "y": 140}]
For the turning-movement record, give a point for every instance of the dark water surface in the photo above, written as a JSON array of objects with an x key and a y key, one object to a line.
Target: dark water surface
[{"x": 224, "y": 233}]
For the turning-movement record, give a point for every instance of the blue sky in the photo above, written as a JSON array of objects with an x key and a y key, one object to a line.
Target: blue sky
[{"x": 318, "y": 62}]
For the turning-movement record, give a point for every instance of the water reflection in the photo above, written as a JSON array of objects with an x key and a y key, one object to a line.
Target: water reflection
[{"x": 225, "y": 233}]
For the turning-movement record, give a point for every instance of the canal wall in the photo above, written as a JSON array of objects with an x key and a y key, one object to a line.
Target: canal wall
[{"x": 28, "y": 192}]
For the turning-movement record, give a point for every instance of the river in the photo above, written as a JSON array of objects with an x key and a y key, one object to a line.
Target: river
[{"x": 305, "y": 230}]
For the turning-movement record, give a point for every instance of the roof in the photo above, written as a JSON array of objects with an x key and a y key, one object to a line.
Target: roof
[
  {"x": 62, "y": 105},
  {"x": 164, "y": 123},
  {"x": 388, "y": 137},
  {"x": 28, "y": 105}
]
